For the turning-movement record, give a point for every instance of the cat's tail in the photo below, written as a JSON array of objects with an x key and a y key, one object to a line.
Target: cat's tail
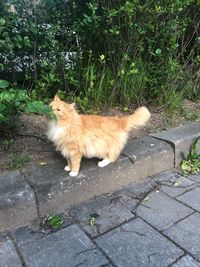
[{"x": 137, "y": 119}]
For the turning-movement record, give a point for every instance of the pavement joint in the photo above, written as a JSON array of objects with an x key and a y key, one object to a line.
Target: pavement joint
[
  {"x": 169, "y": 239},
  {"x": 17, "y": 250},
  {"x": 179, "y": 258}
]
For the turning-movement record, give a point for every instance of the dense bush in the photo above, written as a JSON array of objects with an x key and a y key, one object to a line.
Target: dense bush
[
  {"x": 103, "y": 52},
  {"x": 14, "y": 101}
]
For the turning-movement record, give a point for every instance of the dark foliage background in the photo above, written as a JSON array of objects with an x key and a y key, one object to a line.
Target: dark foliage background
[{"x": 103, "y": 52}]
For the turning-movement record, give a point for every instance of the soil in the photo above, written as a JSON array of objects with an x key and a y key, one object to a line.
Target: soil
[{"x": 31, "y": 147}]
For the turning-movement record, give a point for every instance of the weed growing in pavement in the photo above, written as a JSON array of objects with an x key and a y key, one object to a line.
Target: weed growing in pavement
[{"x": 192, "y": 164}]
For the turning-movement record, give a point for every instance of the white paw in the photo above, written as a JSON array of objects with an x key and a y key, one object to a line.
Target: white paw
[
  {"x": 67, "y": 168},
  {"x": 103, "y": 163},
  {"x": 73, "y": 173}
]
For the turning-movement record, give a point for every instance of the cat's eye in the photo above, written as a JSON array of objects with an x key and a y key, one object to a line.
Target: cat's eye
[{"x": 58, "y": 109}]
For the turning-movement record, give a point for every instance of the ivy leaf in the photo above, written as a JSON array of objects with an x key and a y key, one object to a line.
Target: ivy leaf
[
  {"x": 2, "y": 21},
  {"x": 55, "y": 221},
  {"x": 4, "y": 84},
  {"x": 158, "y": 51},
  {"x": 2, "y": 118},
  {"x": 37, "y": 107},
  {"x": 2, "y": 107}
]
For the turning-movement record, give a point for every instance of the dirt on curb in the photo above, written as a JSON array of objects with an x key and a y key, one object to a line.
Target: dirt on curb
[{"x": 30, "y": 146}]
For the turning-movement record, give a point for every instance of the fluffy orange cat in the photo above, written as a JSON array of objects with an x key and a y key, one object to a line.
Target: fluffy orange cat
[{"x": 78, "y": 135}]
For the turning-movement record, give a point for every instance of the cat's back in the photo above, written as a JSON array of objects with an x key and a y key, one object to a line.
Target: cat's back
[{"x": 92, "y": 122}]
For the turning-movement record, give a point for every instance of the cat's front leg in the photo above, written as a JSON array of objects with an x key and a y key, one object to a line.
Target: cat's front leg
[
  {"x": 75, "y": 160},
  {"x": 68, "y": 167}
]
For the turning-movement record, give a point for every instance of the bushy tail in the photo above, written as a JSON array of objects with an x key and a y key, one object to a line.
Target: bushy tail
[{"x": 137, "y": 119}]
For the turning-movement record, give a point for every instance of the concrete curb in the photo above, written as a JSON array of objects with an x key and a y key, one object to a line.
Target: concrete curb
[
  {"x": 181, "y": 139},
  {"x": 49, "y": 189}
]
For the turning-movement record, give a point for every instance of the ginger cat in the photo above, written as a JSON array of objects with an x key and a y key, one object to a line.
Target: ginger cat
[{"x": 78, "y": 135}]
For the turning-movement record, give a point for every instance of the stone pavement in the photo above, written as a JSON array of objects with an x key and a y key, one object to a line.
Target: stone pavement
[{"x": 155, "y": 222}]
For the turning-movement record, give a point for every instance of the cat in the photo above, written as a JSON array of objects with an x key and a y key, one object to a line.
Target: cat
[{"x": 90, "y": 136}]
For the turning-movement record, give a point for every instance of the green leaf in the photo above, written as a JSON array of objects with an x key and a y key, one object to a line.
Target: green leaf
[
  {"x": 4, "y": 84},
  {"x": 93, "y": 220},
  {"x": 94, "y": 215},
  {"x": 55, "y": 221},
  {"x": 2, "y": 107},
  {"x": 158, "y": 51},
  {"x": 2, "y": 118},
  {"x": 2, "y": 21},
  {"x": 13, "y": 95},
  {"x": 37, "y": 107}
]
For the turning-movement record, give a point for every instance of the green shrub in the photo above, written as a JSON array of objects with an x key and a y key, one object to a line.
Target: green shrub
[
  {"x": 103, "y": 52},
  {"x": 13, "y": 102}
]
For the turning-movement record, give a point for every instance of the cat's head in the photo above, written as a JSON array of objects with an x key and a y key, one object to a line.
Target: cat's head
[{"x": 61, "y": 109}]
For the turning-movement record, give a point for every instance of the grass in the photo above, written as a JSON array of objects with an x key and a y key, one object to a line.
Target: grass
[
  {"x": 7, "y": 144},
  {"x": 191, "y": 115},
  {"x": 17, "y": 161}
]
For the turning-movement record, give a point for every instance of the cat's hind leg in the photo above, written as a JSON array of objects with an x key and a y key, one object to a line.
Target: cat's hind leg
[
  {"x": 104, "y": 162},
  {"x": 110, "y": 157}
]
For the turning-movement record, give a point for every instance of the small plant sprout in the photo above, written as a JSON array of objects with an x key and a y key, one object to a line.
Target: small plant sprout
[
  {"x": 102, "y": 58},
  {"x": 93, "y": 219},
  {"x": 192, "y": 164},
  {"x": 53, "y": 221}
]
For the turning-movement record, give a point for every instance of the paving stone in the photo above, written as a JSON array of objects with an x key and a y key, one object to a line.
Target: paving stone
[
  {"x": 162, "y": 211},
  {"x": 191, "y": 198},
  {"x": 136, "y": 244},
  {"x": 8, "y": 254},
  {"x": 124, "y": 198},
  {"x": 56, "y": 190},
  {"x": 181, "y": 138},
  {"x": 110, "y": 215},
  {"x": 17, "y": 201},
  {"x": 140, "y": 189},
  {"x": 186, "y": 233},
  {"x": 178, "y": 187},
  {"x": 186, "y": 261},
  {"x": 167, "y": 176},
  {"x": 195, "y": 177},
  {"x": 68, "y": 247}
]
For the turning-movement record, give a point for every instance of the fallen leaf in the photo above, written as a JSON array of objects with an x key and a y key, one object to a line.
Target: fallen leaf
[{"x": 42, "y": 163}]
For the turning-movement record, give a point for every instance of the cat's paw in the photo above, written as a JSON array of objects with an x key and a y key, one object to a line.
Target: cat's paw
[
  {"x": 73, "y": 173},
  {"x": 67, "y": 168},
  {"x": 103, "y": 163}
]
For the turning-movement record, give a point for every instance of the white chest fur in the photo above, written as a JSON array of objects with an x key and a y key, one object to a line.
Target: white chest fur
[{"x": 54, "y": 132}]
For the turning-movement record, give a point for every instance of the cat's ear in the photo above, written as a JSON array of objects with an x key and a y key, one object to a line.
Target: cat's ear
[
  {"x": 72, "y": 106},
  {"x": 56, "y": 98}
]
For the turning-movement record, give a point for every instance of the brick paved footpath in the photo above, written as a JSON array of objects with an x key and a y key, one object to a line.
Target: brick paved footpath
[{"x": 152, "y": 223}]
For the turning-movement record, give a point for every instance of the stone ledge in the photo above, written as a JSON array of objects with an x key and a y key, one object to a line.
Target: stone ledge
[
  {"x": 56, "y": 190},
  {"x": 181, "y": 138}
]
